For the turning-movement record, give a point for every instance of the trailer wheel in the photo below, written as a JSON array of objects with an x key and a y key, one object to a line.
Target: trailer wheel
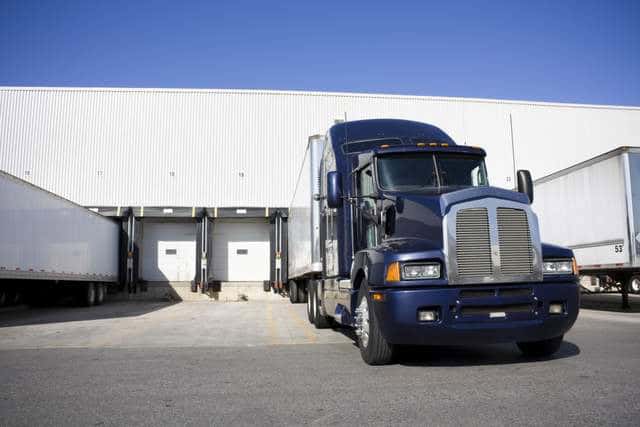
[
  {"x": 374, "y": 348},
  {"x": 100, "y": 291},
  {"x": 302, "y": 293},
  {"x": 293, "y": 292},
  {"x": 319, "y": 320},
  {"x": 89, "y": 295},
  {"x": 634, "y": 284},
  {"x": 540, "y": 349}
]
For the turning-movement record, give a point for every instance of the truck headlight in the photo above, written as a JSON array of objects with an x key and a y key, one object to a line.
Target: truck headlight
[
  {"x": 559, "y": 266},
  {"x": 421, "y": 271}
]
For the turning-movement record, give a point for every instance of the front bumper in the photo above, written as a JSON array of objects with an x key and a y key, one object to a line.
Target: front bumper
[{"x": 477, "y": 314}]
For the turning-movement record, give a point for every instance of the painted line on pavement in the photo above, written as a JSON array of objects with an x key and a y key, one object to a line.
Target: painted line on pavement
[{"x": 304, "y": 326}]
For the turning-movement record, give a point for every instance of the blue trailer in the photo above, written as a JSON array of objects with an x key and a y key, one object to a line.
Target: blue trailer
[{"x": 415, "y": 247}]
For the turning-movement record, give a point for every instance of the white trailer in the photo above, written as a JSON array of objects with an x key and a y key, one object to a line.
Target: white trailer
[
  {"x": 49, "y": 245},
  {"x": 304, "y": 260},
  {"x": 593, "y": 207}
]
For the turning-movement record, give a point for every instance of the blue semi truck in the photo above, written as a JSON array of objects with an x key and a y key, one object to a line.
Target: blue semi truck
[{"x": 395, "y": 231}]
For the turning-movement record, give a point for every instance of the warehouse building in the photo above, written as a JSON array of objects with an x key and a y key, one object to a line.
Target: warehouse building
[{"x": 202, "y": 179}]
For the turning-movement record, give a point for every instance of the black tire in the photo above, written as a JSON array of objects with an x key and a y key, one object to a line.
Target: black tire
[
  {"x": 302, "y": 293},
  {"x": 3, "y": 297},
  {"x": 377, "y": 351},
  {"x": 310, "y": 304},
  {"x": 88, "y": 295},
  {"x": 14, "y": 298},
  {"x": 634, "y": 284},
  {"x": 319, "y": 320},
  {"x": 540, "y": 349},
  {"x": 100, "y": 291},
  {"x": 293, "y": 292}
]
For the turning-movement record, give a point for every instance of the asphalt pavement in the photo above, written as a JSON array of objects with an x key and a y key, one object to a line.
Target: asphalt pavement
[{"x": 263, "y": 364}]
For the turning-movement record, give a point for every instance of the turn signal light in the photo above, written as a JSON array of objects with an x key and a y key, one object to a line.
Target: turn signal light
[
  {"x": 377, "y": 296},
  {"x": 393, "y": 272},
  {"x": 576, "y": 269}
]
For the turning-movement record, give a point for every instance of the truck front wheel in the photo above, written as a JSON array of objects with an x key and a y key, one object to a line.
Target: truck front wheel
[
  {"x": 544, "y": 348},
  {"x": 374, "y": 348}
]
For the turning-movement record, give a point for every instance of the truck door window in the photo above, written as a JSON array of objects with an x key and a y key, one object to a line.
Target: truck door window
[{"x": 366, "y": 186}]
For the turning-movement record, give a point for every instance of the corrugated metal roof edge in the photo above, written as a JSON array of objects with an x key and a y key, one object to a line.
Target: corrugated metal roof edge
[
  {"x": 312, "y": 93},
  {"x": 604, "y": 156}
]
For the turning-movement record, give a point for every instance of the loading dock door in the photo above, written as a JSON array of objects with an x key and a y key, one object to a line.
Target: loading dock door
[
  {"x": 240, "y": 250},
  {"x": 168, "y": 252}
]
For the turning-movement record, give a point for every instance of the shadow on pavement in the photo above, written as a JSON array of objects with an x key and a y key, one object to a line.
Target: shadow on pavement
[
  {"x": 68, "y": 312},
  {"x": 490, "y": 354},
  {"x": 496, "y": 354},
  {"x": 610, "y": 301}
]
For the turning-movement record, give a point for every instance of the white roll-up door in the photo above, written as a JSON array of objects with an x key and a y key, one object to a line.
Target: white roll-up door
[
  {"x": 240, "y": 250},
  {"x": 168, "y": 252}
]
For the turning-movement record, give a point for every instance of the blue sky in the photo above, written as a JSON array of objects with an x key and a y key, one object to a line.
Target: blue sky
[{"x": 567, "y": 51}]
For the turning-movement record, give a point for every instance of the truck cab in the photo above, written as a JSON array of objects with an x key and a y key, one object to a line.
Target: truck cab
[{"x": 418, "y": 249}]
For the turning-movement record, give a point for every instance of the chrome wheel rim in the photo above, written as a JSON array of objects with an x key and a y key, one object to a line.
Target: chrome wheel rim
[
  {"x": 635, "y": 285},
  {"x": 362, "y": 322}
]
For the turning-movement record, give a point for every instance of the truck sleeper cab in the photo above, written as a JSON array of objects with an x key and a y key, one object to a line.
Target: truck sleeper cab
[{"x": 417, "y": 248}]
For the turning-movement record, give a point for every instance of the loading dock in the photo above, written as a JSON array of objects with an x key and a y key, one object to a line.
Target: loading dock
[
  {"x": 240, "y": 250},
  {"x": 168, "y": 252}
]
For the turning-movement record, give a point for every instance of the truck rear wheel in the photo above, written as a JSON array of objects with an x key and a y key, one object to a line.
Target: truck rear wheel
[
  {"x": 293, "y": 292},
  {"x": 374, "y": 348},
  {"x": 544, "y": 348},
  {"x": 634, "y": 284},
  {"x": 310, "y": 306},
  {"x": 319, "y": 320}
]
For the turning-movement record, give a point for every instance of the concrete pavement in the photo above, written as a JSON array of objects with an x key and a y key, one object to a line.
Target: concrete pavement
[{"x": 257, "y": 364}]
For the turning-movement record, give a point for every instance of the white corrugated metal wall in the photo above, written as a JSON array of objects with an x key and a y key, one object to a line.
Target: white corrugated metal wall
[{"x": 165, "y": 147}]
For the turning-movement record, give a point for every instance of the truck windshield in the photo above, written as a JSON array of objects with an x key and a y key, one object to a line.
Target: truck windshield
[{"x": 424, "y": 171}]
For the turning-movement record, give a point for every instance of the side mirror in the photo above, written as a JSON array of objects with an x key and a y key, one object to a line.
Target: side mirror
[
  {"x": 334, "y": 190},
  {"x": 525, "y": 184}
]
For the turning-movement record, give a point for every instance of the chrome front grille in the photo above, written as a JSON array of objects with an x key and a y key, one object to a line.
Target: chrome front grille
[
  {"x": 516, "y": 254},
  {"x": 492, "y": 240},
  {"x": 473, "y": 249}
]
